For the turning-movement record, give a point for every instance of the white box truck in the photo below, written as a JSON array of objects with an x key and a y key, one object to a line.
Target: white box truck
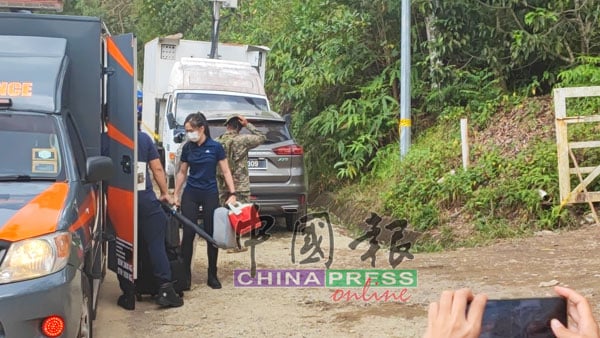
[{"x": 180, "y": 78}]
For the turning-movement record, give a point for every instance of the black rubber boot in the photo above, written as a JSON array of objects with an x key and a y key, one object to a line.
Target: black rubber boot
[
  {"x": 213, "y": 281},
  {"x": 168, "y": 297},
  {"x": 127, "y": 301},
  {"x": 212, "y": 255},
  {"x": 185, "y": 283}
]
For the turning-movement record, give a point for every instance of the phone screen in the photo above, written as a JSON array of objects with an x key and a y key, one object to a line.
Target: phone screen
[{"x": 520, "y": 318}]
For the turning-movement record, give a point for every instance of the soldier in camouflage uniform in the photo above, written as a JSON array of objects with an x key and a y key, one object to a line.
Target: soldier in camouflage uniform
[{"x": 237, "y": 147}]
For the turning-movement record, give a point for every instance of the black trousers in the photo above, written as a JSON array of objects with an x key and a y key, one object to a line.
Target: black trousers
[
  {"x": 152, "y": 225},
  {"x": 191, "y": 200}
]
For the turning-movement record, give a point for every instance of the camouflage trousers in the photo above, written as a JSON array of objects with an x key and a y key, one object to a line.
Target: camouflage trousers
[{"x": 240, "y": 196}]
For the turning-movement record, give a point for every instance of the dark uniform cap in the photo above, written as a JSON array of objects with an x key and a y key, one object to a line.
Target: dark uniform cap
[{"x": 230, "y": 117}]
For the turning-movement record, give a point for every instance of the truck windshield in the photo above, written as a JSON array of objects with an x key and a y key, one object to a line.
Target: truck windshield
[
  {"x": 30, "y": 148},
  {"x": 187, "y": 103}
]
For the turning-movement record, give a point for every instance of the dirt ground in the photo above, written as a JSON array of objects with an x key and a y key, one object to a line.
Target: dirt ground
[{"x": 512, "y": 268}]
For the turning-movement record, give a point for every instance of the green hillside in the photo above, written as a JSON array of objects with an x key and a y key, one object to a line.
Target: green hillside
[{"x": 512, "y": 163}]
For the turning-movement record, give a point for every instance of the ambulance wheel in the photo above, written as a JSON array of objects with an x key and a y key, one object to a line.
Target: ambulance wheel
[
  {"x": 104, "y": 259},
  {"x": 85, "y": 323}
]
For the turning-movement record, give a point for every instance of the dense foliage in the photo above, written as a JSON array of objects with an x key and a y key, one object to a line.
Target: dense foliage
[{"x": 334, "y": 65}]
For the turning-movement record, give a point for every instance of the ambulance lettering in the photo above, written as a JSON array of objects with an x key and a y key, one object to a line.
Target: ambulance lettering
[{"x": 16, "y": 89}]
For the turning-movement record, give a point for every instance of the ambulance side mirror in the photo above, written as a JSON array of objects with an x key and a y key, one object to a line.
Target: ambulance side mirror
[{"x": 98, "y": 168}]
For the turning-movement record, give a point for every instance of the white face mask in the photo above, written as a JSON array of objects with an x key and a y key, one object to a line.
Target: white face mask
[{"x": 193, "y": 136}]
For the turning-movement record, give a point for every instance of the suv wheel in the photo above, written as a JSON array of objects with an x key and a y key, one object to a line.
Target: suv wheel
[{"x": 290, "y": 220}]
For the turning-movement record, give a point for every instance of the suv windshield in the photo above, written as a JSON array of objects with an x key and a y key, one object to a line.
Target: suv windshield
[
  {"x": 275, "y": 131},
  {"x": 30, "y": 148},
  {"x": 187, "y": 103}
]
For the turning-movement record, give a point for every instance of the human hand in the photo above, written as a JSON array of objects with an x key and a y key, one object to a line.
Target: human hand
[
  {"x": 243, "y": 120},
  {"x": 166, "y": 198},
  {"x": 581, "y": 319},
  {"x": 231, "y": 200},
  {"x": 176, "y": 202},
  {"x": 449, "y": 317}
]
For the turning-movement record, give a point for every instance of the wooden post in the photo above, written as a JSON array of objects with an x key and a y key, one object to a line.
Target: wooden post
[{"x": 464, "y": 135}]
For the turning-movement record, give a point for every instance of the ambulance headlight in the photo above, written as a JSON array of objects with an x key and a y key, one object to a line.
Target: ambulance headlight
[{"x": 35, "y": 257}]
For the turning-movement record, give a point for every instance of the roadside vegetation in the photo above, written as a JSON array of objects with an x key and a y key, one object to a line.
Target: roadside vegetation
[{"x": 334, "y": 66}]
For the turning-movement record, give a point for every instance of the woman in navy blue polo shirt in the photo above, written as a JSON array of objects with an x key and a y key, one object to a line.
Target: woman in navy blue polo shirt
[{"x": 201, "y": 155}]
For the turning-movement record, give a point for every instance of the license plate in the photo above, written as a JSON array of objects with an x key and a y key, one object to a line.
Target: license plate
[{"x": 257, "y": 163}]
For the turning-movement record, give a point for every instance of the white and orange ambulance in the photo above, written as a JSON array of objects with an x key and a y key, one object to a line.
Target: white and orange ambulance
[{"x": 60, "y": 77}]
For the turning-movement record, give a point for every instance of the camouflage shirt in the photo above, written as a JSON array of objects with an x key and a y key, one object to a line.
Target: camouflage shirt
[{"x": 236, "y": 147}]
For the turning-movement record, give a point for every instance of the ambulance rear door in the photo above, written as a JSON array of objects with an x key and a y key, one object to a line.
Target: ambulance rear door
[{"x": 121, "y": 129}]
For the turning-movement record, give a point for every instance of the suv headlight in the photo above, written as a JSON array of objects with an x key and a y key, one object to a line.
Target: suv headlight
[{"x": 35, "y": 257}]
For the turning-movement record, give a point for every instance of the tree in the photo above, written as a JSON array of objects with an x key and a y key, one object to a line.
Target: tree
[
  {"x": 117, "y": 14},
  {"x": 157, "y": 18},
  {"x": 334, "y": 64}
]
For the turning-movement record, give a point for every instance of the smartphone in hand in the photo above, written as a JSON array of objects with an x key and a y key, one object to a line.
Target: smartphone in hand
[{"x": 523, "y": 317}]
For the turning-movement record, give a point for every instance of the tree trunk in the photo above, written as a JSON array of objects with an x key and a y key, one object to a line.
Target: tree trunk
[{"x": 434, "y": 55}]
